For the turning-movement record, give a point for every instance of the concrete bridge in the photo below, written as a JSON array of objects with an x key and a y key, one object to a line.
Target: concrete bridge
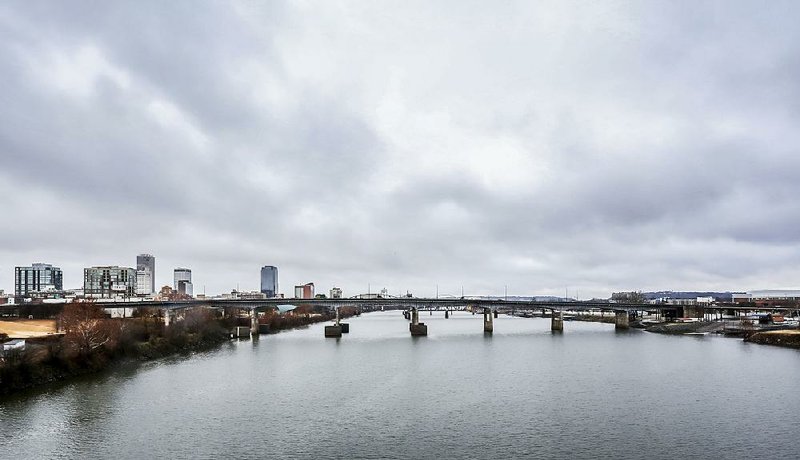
[
  {"x": 412, "y": 306},
  {"x": 400, "y": 303}
]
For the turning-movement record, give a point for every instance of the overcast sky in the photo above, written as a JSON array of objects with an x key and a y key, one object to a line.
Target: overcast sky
[{"x": 547, "y": 146}]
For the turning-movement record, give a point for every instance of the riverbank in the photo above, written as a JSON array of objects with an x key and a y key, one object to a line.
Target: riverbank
[
  {"x": 788, "y": 338},
  {"x": 54, "y": 358},
  {"x": 697, "y": 327}
]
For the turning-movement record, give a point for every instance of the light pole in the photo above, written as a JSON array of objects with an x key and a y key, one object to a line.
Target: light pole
[{"x": 506, "y": 292}]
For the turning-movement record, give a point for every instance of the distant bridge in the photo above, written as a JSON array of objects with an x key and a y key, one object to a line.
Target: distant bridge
[
  {"x": 405, "y": 303},
  {"x": 623, "y": 312}
]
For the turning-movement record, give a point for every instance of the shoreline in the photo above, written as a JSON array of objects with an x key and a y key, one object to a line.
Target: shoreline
[
  {"x": 789, "y": 338},
  {"x": 42, "y": 364},
  {"x": 786, "y": 338}
]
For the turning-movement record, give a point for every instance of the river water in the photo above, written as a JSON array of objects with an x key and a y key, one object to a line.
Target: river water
[{"x": 522, "y": 392}]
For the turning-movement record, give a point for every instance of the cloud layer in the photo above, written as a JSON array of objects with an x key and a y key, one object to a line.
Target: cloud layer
[{"x": 544, "y": 146}]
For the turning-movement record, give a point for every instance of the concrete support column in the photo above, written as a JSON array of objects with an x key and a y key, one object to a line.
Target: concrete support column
[
  {"x": 621, "y": 320},
  {"x": 488, "y": 321},
  {"x": 166, "y": 317},
  {"x": 254, "y": 323},
  {"x": 416, "y": 328},
  {"x": 557, "y": 321}
]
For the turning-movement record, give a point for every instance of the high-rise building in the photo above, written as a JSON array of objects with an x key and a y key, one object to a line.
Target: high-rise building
[
  {"x": 269, "y": 280},
  {"x": 145, "y": 274},
  {"x": 181, "y": 274},
  {"x": 109, "y": 281},
  {"x": 37, "y": 279},
  {"x": 305, "y": 291},
  {"x": 185, "y": 288},
  {"x": 336, "y": 293}
]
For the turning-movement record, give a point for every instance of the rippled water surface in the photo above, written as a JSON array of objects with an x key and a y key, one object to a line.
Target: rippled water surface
[{"x": 590, "y": 392}]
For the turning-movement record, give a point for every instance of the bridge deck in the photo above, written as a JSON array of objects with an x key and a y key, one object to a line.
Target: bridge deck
[{"x": 428, "y": 304}]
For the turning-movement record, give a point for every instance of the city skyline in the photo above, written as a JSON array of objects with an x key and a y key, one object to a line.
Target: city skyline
[
  {"x": 181, "y": 274},
  {"x": 543, "y": 146}
]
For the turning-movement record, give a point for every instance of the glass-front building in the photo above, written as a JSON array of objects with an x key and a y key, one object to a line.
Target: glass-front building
[
  {"x": 145, "y": 274},
  {"x": 109, "y": 281},
  {"x": 185, "y": 288},
  {"x": 269, "y": 280},
  {"x": 37, "y": 279},
  {"x": 181, "y": 274}
]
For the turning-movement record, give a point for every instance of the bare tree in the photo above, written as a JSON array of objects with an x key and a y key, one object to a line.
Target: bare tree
[{"x": 86, "y": 327}]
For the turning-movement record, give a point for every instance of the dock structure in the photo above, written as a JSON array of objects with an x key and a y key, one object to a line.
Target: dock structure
[{"x": 336, "y": 329}]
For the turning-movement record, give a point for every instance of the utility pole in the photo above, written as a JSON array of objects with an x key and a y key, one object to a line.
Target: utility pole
[
  {"x": 506, "y": 292},
  {"x": 437, "y": 291}
]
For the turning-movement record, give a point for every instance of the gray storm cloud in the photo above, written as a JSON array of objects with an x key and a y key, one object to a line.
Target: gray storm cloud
[{"x": 542, "y": 146}]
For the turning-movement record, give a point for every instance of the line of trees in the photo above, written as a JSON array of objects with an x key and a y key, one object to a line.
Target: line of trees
[{"x": 91, "y": 340}]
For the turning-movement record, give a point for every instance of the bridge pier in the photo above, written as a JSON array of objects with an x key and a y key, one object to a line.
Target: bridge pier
[
  {"x": 166, "y": 317},
  {"x": 621, "y": 320},
  {"x": 254, "y": 323},
  {"x": 416, "y": 328},
  {"x": 488, "y": 321},
  {"x": 446, "y": 314},
  {"x": 557, "y": 321}
]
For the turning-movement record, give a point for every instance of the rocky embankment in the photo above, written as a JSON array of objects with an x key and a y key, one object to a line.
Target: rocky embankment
[
  {"x": 788, "y": 338},
  {"x": 699, "y": 327}
]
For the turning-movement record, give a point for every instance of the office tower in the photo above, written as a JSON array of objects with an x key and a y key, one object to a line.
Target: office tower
[
  {"x": 145, "y": 274},
  {"x": 109, "y": 281},
  {"x": 181, "y": 274},
  {"x": 269, "y": 280},
  {"x": 38, "y": 278}
]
